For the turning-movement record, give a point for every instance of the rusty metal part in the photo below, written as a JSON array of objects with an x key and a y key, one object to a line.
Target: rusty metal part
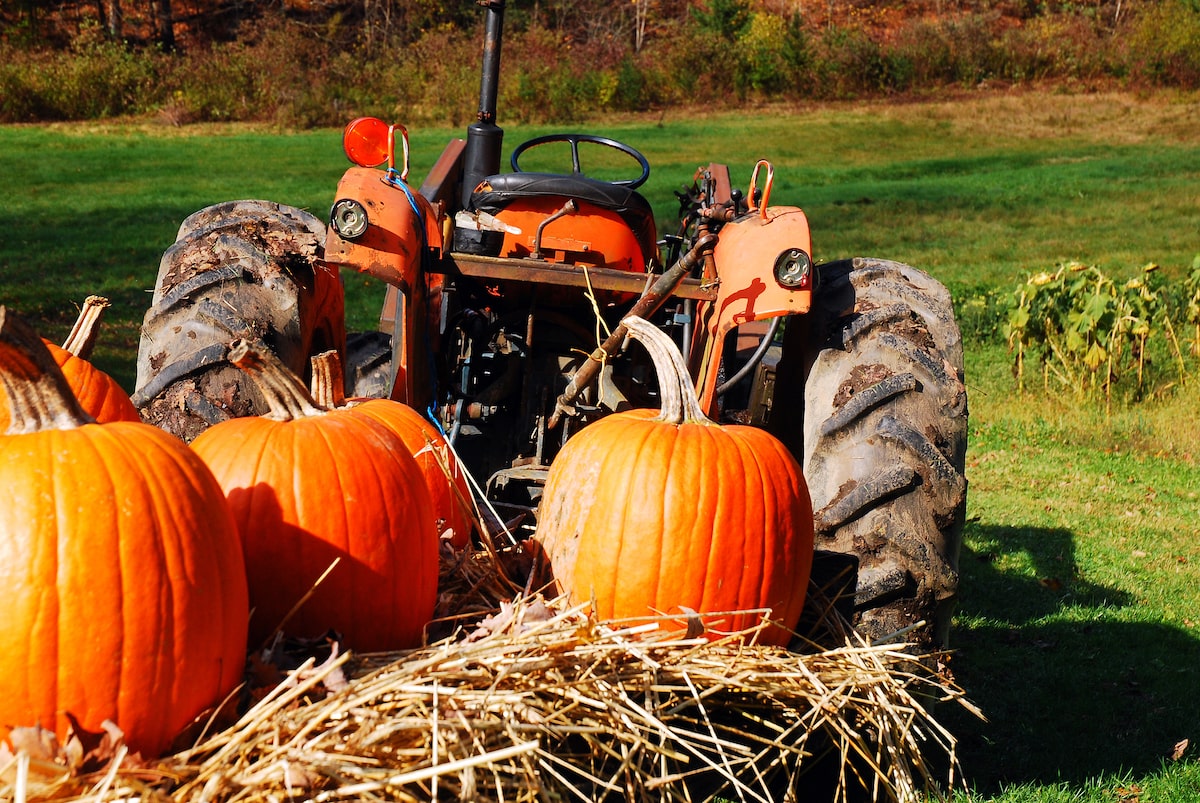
[
  {"x": 524, "y": 270},
  {"x": 569, "y": 208},
  {"x": 647, "y": 305}
]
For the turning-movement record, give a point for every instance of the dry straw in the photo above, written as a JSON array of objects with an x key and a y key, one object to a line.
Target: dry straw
[{"x": 539, "y": 702}]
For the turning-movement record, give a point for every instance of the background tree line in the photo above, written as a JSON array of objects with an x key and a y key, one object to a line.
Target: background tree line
[{"x": 313, "y": 62}]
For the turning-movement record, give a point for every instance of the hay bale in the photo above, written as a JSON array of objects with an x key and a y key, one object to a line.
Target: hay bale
[{"x": 539, "y": 702}]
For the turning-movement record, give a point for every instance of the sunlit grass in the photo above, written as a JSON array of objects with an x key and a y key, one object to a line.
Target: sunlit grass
[{"x": 1078, "y": 628}]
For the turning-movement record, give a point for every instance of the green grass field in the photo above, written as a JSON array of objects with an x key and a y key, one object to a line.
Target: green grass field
[{"x": 1079, "y": 626}]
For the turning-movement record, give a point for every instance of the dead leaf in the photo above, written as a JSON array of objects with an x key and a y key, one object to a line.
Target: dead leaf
[
  {"x": 514, "y": 618},
  {"x": 293, "y": 775},
  {"x": 1180, "y": 748},
  {"x": 493, "y": 624},
  {"x": 1128, "y": 794},
  {"x": 695, "y": 625},
  {"x": 91, "y": 751},
  {"x": 1052, "y": 583},
  {"x": 38, "y": 742},
  {"x": 537, "y": 611},
  {"x": 335, "y": 679}
]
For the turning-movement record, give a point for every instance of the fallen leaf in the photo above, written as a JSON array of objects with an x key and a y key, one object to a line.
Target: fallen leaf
[
  {"x": 1128, "y": 794},
  {"x": 1052, "y": 583},
  {"x": 91, "y": 751},
  {"x": 695, "y": 625},
  {"x": 38, "y": 742},
  {"x": 1180, "y": 748}
]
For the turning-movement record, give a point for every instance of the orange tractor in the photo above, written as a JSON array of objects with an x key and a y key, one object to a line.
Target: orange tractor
[{"x": 502, "y": 323}]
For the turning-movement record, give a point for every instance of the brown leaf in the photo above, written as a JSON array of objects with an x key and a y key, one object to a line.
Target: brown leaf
[
  {"x": 695, "y": 625},
  {"x": 37, "y": 741},
  {"x": 1052, "y": 583},
  {"x": 1128, "y": 794},
  {"x": 1180, "y": 748},
  {"x": 46, "y": 764},
  {"x": 91, "y": 751},
  {"x": 335, "y": 679}
]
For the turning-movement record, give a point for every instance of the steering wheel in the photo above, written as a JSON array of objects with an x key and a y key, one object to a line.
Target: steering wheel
[{"x": 574, "y": 140}]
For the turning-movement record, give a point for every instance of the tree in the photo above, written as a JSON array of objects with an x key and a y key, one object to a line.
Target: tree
[
  {"x": 114, "y": 20},
  {"x": 724, "y": 18},
  {"x": 165, "y": 23}
]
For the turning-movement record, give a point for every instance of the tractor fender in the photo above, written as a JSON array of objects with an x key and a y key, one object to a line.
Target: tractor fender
[
  {"x": 747, "y": 289},
  {"x": 402, "y": 225}
]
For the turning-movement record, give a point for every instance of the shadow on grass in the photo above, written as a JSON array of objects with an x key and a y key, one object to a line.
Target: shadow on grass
[{"x": 1074, "y": 681}]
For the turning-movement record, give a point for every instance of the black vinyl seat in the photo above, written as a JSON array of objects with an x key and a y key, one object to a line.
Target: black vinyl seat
[{"x": 496, "y": 192}]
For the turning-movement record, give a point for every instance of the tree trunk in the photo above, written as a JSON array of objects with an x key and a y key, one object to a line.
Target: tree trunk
[
  {"x": 166, "y": 24},
  {"x": 115, "y": 20}
]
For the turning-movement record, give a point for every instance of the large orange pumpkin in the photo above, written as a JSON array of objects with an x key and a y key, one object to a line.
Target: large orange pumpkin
[
  {"x": 309, "y": 487},
  {"x": 98, "y": 393},
  {"x": 124, "y": 592},
  {"x": 444, "y": 476},
  {"x": 661, "y": 514}
]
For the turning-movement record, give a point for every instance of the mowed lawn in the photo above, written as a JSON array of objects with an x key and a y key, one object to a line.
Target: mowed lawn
[{"x": 1079, "y": 626}]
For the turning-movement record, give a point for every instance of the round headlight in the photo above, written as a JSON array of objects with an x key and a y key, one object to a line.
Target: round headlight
[
  {"x": 349, "y": 219},
  {"x": 793, "y": 268}
]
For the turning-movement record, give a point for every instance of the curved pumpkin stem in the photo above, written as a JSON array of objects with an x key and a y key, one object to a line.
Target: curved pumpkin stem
[
  {"x": 39, "y": 397},
  {"x": 285, "y": 393},
  {"x": 82, "y": 340},
  {"x": 328, "y": 385},
  {"x": 679, "y": 403}
]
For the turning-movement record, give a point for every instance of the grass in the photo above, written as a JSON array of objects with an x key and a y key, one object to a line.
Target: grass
[{"x": 1079, "y": 626}]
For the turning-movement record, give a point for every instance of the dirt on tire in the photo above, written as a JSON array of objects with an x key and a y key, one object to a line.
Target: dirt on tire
[
  {"x": 883, "y": 441},
  {"x": 240, "y": 269}
]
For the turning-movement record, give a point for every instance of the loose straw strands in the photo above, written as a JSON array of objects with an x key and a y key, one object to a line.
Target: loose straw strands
[{"x": 540, "y": 703}]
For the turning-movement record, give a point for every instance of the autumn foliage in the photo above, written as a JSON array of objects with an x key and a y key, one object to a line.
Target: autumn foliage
[{"x": 307, "y": 63}]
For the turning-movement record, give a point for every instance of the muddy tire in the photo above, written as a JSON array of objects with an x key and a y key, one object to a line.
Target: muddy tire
[
  {"x": 884, "y": 442},
  {"x": 241, "y": 269},
  {"x": 368, "y": 364}
]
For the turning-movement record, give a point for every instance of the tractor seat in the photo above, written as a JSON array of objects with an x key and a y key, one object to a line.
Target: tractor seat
[{"x": 494, "y": 193}]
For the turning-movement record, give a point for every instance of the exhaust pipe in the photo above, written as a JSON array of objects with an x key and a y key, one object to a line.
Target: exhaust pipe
[{"x": 481, "y": 157}]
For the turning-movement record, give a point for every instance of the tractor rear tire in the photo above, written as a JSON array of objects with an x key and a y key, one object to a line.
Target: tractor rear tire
[
  {"x": 240, "y": 269},
  {"x": 368, "y": 364},
  {"x": 884, "y": 443}
]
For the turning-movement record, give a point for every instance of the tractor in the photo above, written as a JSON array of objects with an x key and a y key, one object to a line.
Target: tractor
[{"x": 502, "y": 323}]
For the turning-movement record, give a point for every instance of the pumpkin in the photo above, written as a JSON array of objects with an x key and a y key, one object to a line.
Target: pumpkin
[
  {"x": 446, "y": 480},
  {"x": 312, "y": 489},
  {"x": 98, "y": 393},
  {"x": 656, "y": 514},
  {"x": 124, "y": 592}
]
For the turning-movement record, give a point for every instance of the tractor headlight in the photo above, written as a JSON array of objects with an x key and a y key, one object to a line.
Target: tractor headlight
[
  {"x": 793, "y": 268},
  {"x": 349, "y": 219}
]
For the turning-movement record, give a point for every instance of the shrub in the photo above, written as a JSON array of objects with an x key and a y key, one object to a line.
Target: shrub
[
  {"x": 214, "y": 85},
  {"x": 849, "y": 63},
  {"x": 1164, "y": 44},
  {"x": 1091, "y": 333},
  {"x": 962, "y": 50},
  {"x": 94, "y": 78},
  {"x": 762, "y": 54}
]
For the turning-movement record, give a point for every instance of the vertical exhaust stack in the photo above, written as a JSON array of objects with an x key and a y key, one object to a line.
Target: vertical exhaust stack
[{"x": 481, "y": 157}]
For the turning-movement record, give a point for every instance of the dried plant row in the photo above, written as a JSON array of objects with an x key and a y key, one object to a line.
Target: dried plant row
[{"x": 538, "y": 702}]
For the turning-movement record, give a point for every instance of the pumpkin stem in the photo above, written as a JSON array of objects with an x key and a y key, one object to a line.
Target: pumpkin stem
[
  {"x": 679, "y": 402},
  {"x": 39, "y": 397},
  {"x": 328, "y": 385},
  {"x": 285, "y": 393},
  {"x": 82, "y": 339}
]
